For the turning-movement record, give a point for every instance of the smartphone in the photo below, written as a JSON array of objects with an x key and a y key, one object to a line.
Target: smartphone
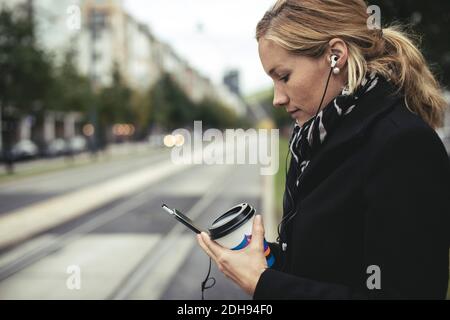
[{"x": 182, "y": 218}]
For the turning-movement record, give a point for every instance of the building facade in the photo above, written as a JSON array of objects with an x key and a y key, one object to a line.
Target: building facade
[{"x": 105, "y": 37}]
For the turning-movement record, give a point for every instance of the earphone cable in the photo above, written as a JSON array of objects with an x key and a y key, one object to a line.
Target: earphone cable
[
  {"x": 292, "y": 213},
  {"x": 207, "y": 278}
]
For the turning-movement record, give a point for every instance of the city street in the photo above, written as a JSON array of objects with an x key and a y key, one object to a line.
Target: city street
[
  {"x": 320, "y": 115},
  {"x": 125, "y": 246}
]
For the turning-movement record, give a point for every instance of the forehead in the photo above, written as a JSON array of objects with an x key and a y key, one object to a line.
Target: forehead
[{"x": 272, "y": 55}]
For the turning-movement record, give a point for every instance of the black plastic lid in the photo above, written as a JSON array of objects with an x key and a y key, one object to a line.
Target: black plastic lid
[{"x": 231, "y": 220}]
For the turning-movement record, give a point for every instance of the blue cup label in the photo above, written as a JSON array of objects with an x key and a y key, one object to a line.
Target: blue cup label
[{"x": 246, "y": 241}]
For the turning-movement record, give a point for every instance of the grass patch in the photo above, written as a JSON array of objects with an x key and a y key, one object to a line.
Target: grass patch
[
  {"x": 69, "y": 164},
  {"x": 41, "y": 169},
  {"x": 280, "y": 178}
]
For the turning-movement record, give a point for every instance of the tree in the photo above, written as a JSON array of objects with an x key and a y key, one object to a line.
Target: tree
[
  {"x": 141, "y": 106},
  {"x": 70, "y": 91},
  {"x": 26, "y": 72},
  {"x": 172, "y": 108},
  {"x": 216, "y": 115},
  {"x": 114, "y": 103}
]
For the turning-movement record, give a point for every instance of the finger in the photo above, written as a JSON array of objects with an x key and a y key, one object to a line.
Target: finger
[
  {"x": 221, "y": 268},
  {"x": 257, "y": 233},
  {"x": 216, "y": 249},
  {"x": 205, "y": 248}
]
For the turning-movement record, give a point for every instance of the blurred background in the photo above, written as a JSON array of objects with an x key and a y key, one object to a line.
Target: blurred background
[{"x": 89, "y": 90}]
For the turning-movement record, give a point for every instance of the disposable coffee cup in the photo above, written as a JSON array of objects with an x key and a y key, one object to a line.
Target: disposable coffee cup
[{"x": 233, "y": 230}]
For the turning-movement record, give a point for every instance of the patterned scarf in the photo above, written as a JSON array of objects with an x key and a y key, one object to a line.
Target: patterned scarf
[{"x": 308, "y": 138}]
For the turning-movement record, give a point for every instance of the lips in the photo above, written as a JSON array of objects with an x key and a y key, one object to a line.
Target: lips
[{"x": 293, "y": 112}]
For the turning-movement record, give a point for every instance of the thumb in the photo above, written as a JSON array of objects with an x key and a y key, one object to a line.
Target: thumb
[{"x": 258, "y": 233}]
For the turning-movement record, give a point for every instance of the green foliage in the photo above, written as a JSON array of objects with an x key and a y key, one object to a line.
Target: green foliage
[
  {"x": 69, "y": 91},
  {"x": 141, "y": 107},
  {"x": 281, "y": 117},
  {"x": 115, "y": 102},
  {"x": 278, "y": 115},
  {"x": 216, "y": 115},
  {"x": 26, "y": 71},
  {"x": 171, "y": 106},
  {"x": 280, "y": 177}
]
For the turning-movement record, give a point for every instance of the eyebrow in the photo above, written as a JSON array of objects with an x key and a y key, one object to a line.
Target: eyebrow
[{"x": 272, "y": 71}]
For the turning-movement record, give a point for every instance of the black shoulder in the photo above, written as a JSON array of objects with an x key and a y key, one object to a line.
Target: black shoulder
[{"x": 402, "y": 126}]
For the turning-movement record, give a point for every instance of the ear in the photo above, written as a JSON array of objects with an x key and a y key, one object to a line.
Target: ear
[{"x": 338, "y": 47}]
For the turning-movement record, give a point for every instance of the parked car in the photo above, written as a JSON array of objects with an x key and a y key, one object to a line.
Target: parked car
[
  {"x": 76, "y": 145},
  {"x": 57, "y": 147},
  {"x": 24, "y": 149}
]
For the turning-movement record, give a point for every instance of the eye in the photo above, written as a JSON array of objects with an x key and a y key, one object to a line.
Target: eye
[{"x": 285, "y": 78}]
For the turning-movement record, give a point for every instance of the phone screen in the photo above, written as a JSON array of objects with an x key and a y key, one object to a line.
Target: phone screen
[{"x": 182, "y": 218}]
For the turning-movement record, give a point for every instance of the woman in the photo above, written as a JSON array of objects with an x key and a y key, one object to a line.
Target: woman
[{"x": 366, "y": 204}]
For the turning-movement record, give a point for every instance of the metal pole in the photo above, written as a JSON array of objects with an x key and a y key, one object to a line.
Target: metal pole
[{"x": 93, "y": 76}]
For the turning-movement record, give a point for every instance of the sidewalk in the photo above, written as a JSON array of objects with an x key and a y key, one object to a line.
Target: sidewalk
[{"x": 40, "y": 165}]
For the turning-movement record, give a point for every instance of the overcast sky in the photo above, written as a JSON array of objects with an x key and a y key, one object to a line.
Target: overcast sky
[{"x": 213, "y": 35}]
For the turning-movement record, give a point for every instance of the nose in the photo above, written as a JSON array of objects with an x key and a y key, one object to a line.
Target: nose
[{"x": 280, "y": 99}]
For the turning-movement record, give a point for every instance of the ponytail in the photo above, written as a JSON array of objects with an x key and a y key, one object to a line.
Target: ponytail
[{"x": 411, "y": 74}]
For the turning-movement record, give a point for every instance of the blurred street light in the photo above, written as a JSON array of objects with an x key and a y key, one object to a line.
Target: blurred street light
[
  {"x": 123, "y": 129},
  {"x": 169, "y": 141},
  {"x": 88, "y": 130},
  {"x": 179, "y": 140},
  {"x": 173, "y": 140}
]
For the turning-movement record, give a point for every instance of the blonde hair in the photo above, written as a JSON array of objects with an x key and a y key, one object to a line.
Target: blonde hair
[{"x": 305, "y": 27}]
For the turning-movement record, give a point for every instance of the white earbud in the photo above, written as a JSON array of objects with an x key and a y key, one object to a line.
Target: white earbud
[{"x": 334, "y": 59}]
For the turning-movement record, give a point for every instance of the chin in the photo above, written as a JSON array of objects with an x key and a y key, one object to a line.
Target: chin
[
  {"x": 300, "y": 120},
  {"x": 303, "y": 118}
]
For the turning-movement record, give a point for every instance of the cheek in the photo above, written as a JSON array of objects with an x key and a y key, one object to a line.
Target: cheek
[{"x": 301, "y": 91}]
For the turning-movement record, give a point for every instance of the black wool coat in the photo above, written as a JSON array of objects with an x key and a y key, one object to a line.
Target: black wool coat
[{"x": 372, "y": 211}]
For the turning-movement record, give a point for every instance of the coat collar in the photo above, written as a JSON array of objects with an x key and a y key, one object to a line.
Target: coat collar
[{"x": 372, "y": 106}]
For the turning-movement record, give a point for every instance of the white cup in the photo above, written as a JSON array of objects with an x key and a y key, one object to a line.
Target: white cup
[{"x": 233, "y": 230}]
